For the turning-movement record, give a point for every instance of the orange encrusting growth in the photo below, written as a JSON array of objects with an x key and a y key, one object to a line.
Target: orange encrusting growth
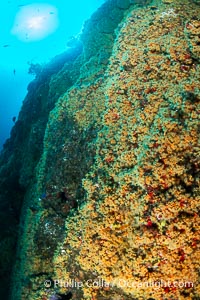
[{"x": 140, "y": 222}]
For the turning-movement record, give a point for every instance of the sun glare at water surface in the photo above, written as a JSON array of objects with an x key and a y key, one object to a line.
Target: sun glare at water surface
[{"x": 35, "y": 22}]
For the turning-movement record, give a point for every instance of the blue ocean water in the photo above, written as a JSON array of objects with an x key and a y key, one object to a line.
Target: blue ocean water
[{"x": 34, "y": 32}]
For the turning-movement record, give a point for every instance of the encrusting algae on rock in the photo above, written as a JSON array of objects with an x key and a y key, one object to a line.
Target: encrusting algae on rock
[
  {"x": 136, "y": 235},
  {"x": 140, "y": 222}
]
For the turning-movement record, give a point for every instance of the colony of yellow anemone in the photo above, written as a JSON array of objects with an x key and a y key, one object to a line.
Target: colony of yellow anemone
[{"x": 140, "y": 222}]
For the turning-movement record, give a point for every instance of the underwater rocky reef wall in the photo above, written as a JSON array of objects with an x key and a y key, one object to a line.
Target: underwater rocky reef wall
[
  {"x": 20, "y": 156},
  {"x": 111, "y": 195},
  {"x": 139, "y": 223},
  {"x": 86, "y": 61}
]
